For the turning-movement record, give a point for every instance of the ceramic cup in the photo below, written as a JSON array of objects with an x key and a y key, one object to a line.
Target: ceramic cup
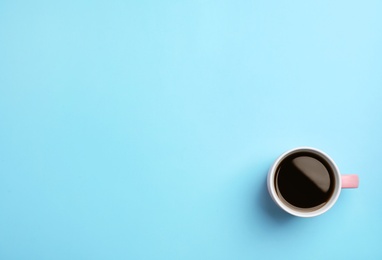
[{"x": 339, "y": 182}]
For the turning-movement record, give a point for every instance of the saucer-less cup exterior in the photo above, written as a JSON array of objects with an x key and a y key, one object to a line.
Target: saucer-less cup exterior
[{"x": 340, "y": 181}]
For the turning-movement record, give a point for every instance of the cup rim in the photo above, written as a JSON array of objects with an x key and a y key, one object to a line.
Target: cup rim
[{"x": 281, "y": 204}]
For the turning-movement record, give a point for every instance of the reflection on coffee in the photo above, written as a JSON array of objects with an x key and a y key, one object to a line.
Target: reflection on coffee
[{"x": 304, "y": 180}]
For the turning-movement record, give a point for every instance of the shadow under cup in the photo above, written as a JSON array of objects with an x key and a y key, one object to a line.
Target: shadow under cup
[{"x": 304, "y": 182}]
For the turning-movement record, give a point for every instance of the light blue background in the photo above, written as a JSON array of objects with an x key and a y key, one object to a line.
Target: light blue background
[{"x": 144, "y": 129}]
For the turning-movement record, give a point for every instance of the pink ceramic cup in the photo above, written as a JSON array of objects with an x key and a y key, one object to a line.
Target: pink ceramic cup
[{"x": 340, "y": 182}]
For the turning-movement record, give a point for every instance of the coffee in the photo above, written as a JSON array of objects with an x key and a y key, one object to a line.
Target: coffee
[{"x": 304, "y": 180}]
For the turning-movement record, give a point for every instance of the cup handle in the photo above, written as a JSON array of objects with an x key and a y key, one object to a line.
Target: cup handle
[{"x": 349, "y": 181}]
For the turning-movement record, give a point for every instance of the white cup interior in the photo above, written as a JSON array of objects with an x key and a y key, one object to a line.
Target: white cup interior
[{"x": 303, "y": 212}]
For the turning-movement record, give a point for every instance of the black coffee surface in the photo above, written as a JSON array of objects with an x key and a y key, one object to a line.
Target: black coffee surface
[{"x": 305, "y": 180}]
